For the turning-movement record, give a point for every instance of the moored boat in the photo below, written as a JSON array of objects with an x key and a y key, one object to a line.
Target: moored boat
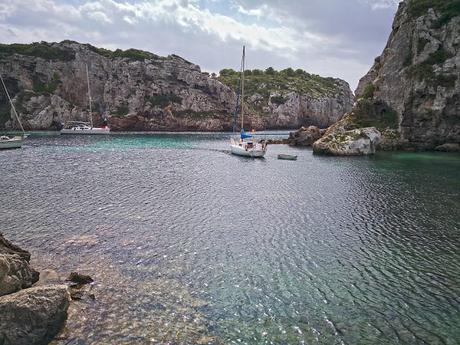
[
  {"x": 12, "y": 142},
  {"x": 81, "y": 127},
  {"x": 245, "y": 145},
  {"x": 287, "y": 157}
]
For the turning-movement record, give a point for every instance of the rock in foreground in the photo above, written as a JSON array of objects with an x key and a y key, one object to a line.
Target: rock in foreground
[
  {"x": 15, "y": 274},
  {"x": 33, "y": 316},
  {"x": 355, "y": 142}
]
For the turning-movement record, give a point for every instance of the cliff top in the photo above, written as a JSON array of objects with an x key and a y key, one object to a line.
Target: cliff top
[
  {"x": 65, "y": 51},
  {"x": 281, "y": 82}
]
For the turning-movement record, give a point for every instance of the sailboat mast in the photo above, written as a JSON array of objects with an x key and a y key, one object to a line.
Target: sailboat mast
[
  {"x": 12, "y": 105},
  {"x": 242, "y": 88},
  {"x": 89, "y": 98}
]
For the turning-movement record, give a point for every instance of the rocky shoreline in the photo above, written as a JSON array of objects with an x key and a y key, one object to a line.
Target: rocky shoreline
[{"x": 33, "y": 307}]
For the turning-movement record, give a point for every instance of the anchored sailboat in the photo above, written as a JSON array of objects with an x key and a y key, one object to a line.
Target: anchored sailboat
[
  {"x": 80, "y": 127},
  {"x": 13, "y": 142},
  {"x": 244, "y": 144}
]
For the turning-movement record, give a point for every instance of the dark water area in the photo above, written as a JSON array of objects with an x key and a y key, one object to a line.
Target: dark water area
[{"x": 191, "y": 245}]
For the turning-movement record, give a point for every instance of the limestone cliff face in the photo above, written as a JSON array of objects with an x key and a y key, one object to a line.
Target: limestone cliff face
[
  {"x": 301, "y": 109},
  {"x": 418, "y": 75},
  {"x": 138, "y": 90}
]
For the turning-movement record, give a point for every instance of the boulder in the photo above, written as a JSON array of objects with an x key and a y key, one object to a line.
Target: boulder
[
  {"x": 305, "y": 136},
  {"x": 448, "y": 147},
  {"x": 33, "y": 316},
  {"x": 355, "y": 142},
  {"x": 15, "y": 274},
  {"x": 79, "y": 278},
  {"x": 6, "y": 247}
]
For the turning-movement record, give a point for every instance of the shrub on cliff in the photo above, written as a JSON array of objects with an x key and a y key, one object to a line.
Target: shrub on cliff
[{"x": 41, "y": 50}]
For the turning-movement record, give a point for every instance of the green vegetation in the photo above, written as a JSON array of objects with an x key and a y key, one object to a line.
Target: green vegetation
[
  {"x": 438, "y": 57},
  {"x": 278, "y": 100},
  {"x": 368, "y": 92},
  {"x": 196, "y": 114},
  {"x": 5, "y": 112},
  {"x": 121, "y": 111},
  {"x": 41, "y": 50},
  {"x": 132, "y": 54},
  {"x": 447, "y": 9},
  {"x": 422, "y": 42},
  {"x": 50, "y": 87},
  {"x": 288, "y": 80},
  {"x": 164, "y": 100},
  {"x": 378, "y": 114},
  {"x": 424, "y": 70}
]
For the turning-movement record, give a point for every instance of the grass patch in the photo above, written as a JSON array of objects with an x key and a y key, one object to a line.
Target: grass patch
[
  {"x": 425, "y": 71},
  {"x": 41, "y": 50},
  {"x": 447, "y": 9},
  {"x": 121, "y": 111},
  {"x": 278, "y": 100},
  {"x": 46, "y": 88},
  {"x": 421, "y": 43},
  {"x": 164, "y": 100},
  {"x": 378, "y": 114},
  {"x": 195, "y": 114},
  {"x": 368, "y": 92}
]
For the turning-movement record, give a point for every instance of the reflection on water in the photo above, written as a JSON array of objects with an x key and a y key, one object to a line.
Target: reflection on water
[{"x": 189, "y": 244}]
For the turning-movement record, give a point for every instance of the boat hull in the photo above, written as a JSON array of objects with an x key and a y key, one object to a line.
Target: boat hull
[
  {"x": 252, "y": 153},
  {"x": 13, "y": 143},
  {"x": 91, "y": 131}
]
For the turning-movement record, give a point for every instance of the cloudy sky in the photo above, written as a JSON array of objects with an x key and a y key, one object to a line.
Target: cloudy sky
[{"x": 338, "y": 38}]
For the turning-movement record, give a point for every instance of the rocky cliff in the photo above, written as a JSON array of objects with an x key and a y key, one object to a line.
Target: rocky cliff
[
  {"x": 137, "y": 90},
  {"x": 288, "y": 98},
  {"x": 414, "y": 86}
]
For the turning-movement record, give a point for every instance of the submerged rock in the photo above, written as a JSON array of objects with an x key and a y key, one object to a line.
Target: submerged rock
[
  {"x": 448, "y": 147},
  {"x": 33, "y": 316},
  {"x": 79, "y": 278},
  {"x": 355, "y": 142},
  {"x": 305, "y": 136}
]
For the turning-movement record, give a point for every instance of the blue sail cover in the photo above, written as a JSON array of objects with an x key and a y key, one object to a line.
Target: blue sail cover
[{"x": 244, "y": 135}]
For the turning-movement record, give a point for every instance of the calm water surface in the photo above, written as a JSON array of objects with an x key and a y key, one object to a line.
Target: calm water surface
[{"x": 190, "y": 245}]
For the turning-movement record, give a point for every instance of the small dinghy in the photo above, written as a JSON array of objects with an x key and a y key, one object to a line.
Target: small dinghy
[{"x": 287, "y": 157}]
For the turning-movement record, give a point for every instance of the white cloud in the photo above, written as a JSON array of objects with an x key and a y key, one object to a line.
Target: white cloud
[{"x": 313, "y": 35}]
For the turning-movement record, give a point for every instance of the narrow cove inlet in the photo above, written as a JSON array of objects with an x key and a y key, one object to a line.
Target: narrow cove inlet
[{"x": 188, "y": 244}]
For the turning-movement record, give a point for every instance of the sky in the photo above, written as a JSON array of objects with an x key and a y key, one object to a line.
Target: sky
[{"x": 333, "y": 38}]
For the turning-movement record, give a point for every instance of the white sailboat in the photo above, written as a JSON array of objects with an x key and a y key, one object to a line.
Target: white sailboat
[
  {"x": 245, "y": 145},
  {"x": 12, "y": 142},
  {"x": 80, "y": 127}
]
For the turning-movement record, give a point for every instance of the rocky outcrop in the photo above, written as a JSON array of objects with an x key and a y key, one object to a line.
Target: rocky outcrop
[
  {"x": 15, "y": 274},
  {"x": 141, "y": 91},
  {"x": 28, "y": 315},
  {"x": 33, "y": 316},
  {"x": 305, "y": 136},
  {"x": 15, "y": 271},
  {"x": 295, "y": 109},
  {"x": 418, "y": 76},
  {"x": 448, "y": 147},
  {"x": 355, "y": 142}
]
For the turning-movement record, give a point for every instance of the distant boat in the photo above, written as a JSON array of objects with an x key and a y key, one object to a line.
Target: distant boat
[
  {"x": 244, "y": 144},
  {"x": 12, "y": 142},
  {"x": 81, "y": 127},
  {"x": 287, "y": 157}
]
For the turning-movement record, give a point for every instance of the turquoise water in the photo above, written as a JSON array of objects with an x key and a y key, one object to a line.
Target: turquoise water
[{"x": 191, "y": 245}]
